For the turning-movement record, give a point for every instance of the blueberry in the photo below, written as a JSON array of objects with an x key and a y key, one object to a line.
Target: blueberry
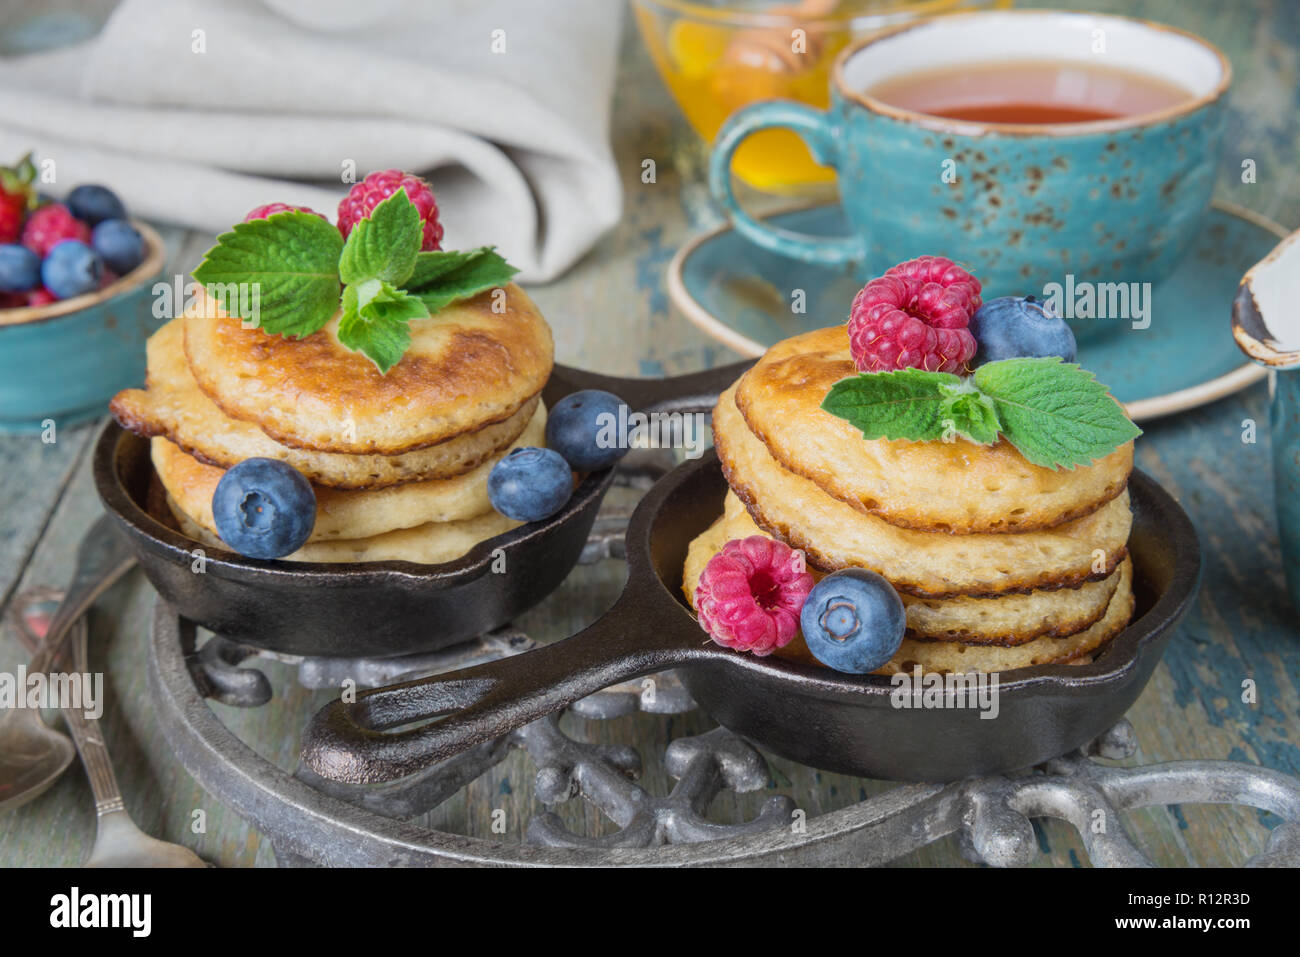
[
  {"x": 92, "y": 204},
  {"x": 530, "y": 484},
  {"x": 853, "y": 621},
  {"x": 119, "y": 243},
  {"x": 1015, "y": 326},
  {"x": 20, "y": 268},
  {"x": 584, "y": 428},
  {"x": 71, "y": 268},
  {"x": 264, "y": 508}
]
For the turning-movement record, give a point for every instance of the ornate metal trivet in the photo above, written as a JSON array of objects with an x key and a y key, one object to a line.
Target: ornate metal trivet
[
  {"x": 310, "y": 820},
  {"x": 313, "y": 821}
]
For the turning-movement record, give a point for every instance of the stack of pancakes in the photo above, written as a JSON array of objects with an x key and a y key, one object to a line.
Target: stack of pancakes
[
  {"x": 399, "y": 462},
  {"x": 1000, "y": 564}
]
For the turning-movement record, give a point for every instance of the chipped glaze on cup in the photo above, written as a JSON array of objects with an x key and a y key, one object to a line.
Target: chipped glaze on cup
[
  {"x": 1117, "y": 200},
  {"x": 1266, "y": 325}
]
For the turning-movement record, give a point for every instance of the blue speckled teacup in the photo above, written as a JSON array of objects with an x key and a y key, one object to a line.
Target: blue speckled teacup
[{"x": 1021, "y": 205}]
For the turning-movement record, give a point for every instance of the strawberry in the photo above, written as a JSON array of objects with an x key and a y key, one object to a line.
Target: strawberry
[{"x": 16, "y": 198}]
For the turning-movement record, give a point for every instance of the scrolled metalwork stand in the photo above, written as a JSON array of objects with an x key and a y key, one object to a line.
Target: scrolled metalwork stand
[{"x": 313, "y": 821}]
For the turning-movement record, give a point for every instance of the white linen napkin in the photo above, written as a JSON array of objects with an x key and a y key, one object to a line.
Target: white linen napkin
[{"x": 503, "y": 105}]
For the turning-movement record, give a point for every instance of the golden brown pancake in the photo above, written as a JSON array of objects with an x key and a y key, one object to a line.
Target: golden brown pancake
[
  {"x": 935, "y": 486},
  {"x": 956, "y": 657},
  {"x": 428, "y": 544},
  {"x": 341, "y": 513},
  {"x": 173, "y": 406},
  {"x": 1008, "y": 620},
  {"x": 925, "y": 564},
  {"x": 467, "y": 367},
  {"x": 945, "y": 655}
]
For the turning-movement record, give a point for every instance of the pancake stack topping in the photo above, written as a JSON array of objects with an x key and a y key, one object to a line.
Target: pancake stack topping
[
  {"x": 288, "y": 271},
  {"x": 353, "y": 393},
  {"x": 956, "y": 483}
]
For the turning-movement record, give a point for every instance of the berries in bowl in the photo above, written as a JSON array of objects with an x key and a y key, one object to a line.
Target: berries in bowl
[{"x": 76, "y": 300}]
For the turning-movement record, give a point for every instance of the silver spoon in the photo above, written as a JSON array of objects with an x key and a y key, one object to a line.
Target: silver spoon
[
  {"x": 32, "y": 755},
  {"x": 118, "y": 842}
]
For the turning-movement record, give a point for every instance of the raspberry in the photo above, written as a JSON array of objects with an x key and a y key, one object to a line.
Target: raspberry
[
  {"x": 40, "y": 296},
  {"x": 915, "y": 317},
  {"x": 750, "y": 594},
  {"x": 261, "y": 212},
  {"x": 50, "y": 225},
  {"x": 943, "y": 271},
  {"x": 375, "y": 188}
]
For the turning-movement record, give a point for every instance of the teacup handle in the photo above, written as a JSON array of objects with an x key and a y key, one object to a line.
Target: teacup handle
[{"x": 817, "y": 130}]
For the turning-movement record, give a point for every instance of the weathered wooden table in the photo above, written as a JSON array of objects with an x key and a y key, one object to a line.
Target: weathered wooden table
[{"x": 612, "y": 313}]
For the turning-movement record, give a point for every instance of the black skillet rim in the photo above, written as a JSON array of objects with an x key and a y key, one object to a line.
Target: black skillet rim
[
  {"x": 118, "y": 501},
  {"x": 1119, "y": 660}
]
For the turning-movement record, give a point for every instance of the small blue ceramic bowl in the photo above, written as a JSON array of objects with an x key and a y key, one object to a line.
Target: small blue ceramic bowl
[{"x": 62, "y": 362}]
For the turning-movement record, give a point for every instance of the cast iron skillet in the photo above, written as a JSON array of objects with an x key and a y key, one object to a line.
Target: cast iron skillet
[
  {"x": 375, "y": 609},
  {"x": 813, "y": 715}
]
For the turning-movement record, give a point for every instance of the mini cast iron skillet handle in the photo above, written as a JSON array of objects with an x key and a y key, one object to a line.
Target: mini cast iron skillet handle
[
  {"x": 693, "y": 392},
  {"x": 352, "y": 743},
  {"x": 349, "y": 743}
]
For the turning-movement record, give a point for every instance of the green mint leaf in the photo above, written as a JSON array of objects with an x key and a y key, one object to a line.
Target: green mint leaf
[
  {"x": 969, "y": 413},
  {"x": 375, "y": 321},
  {"x": 906, "y": 404},
  {"x": 486, "y": 270},
  {"x": 432, "y": 264},
  {"x": 279, "y": 274},
  {"x": 384, "y": 245},
  {"x": 379, "y": 301},
  {"x": 1057, "y": 414}
]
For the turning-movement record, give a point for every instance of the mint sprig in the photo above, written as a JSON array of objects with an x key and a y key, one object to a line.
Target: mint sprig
[
  {"x": 290, "y": 273},
  {"x": 376, "y": 320},
  {"x": 280, "y": 274},
  {"x": 907, "y": 404},
  {"x": 482, "y": 269},
  {"x": 970, "y": 413},
  {"x": 433, "y": 265},
  {"x": 1055, "y": 413}
]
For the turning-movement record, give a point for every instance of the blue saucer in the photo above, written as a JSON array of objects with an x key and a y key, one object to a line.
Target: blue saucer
[{"x": 746, "y": 299}]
